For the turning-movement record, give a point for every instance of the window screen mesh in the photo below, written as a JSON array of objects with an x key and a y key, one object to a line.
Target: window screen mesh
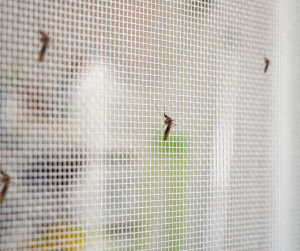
[{"x": 80, "y": 130}]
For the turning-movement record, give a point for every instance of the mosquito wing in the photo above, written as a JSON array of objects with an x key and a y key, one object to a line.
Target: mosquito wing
[
  {"x": 3, "y": 193},
  {"x": 167, "y": 132},
  {"x": 42, "y": 52}
]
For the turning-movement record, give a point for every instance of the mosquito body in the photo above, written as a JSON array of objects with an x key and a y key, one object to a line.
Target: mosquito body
[
  {"x": 45, "y": 40},
  {"x": 5, "y": 179},
  {"x": 169, "y": 123},
  {"x": 267, "y": 62}
]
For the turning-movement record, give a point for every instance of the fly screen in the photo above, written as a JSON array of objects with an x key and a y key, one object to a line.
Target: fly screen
[{"x": 149, "y": 125}]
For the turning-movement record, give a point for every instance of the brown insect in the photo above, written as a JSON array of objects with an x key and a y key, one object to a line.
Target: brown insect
[
  {"x": 169, "y": 123},
  {"x": 45, "y": 40},
  {"x": 267, "y": 62},
  {"x": 5, "y": 179}
]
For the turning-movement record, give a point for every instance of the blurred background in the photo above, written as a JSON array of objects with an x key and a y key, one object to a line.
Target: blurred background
[{"x": 80, "y": 130}]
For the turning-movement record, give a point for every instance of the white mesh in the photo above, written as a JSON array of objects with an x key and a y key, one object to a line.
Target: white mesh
[{"x": 80, "y": 132}]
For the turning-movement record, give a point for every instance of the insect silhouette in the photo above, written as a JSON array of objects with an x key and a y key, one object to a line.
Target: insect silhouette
[
  {"x": 45, "y": 40},
  {"x": 5, "y": 179},
  {"x": 267, "y": 62},
  {"x": 169, "y": 123}
]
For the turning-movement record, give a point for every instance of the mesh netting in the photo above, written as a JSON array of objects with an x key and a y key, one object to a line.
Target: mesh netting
[{"x": 86, "y": 90}]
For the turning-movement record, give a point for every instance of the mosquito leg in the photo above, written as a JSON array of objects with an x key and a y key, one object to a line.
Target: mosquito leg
[
  {"x": 159, "y": 112},
  {"x": 158, "y": 131}
]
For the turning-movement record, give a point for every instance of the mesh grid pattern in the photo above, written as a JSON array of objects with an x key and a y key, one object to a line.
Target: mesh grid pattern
[{"x": 81, "y": 138}]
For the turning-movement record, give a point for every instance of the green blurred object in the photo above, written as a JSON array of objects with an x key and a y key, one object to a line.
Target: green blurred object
[
  {"x": 164, "y": 182},
  {"x": 200, "y": 4}
]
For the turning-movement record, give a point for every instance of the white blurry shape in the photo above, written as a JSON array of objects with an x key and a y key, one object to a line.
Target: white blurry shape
[{"x": 111, "y": 174}]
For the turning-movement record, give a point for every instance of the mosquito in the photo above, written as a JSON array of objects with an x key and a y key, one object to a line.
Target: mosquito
[
  {"x": 267, "y": 62},
  {"x": 45, "y": 40},
  {"x": 5, "y": 179},
  {"x": 169, "y": 123}
]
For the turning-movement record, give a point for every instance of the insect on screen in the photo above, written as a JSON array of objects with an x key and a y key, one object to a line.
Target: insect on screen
[{"x": 149, "y": 125}]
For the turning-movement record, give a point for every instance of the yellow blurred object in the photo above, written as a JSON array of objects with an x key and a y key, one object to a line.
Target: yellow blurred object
[{"x": 62, "y": 237}]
